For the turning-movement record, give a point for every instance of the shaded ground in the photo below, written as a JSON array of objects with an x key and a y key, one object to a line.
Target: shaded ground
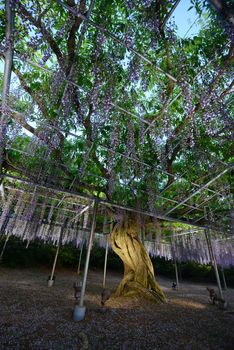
[{"x": 33, "y": 316}]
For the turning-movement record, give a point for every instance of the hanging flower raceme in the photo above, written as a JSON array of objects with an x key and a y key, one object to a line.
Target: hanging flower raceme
[
  {"x": 49, "y": 136},
  {"x": 115, "y": 135},
  {"x": 86, "y": 218},
  {"x": 134, "y": 70},
  {"x": 20, "y": 204},
  {"x": 56, "y": 82},
  {"x": 42, "y": 212},
  {"x": 5, "y": 46},
  {"x": 130, "y": 144},
  {"x": 30, "y": 206},
  {"x": 111, "y": 182},
  {"x": 84, "y": 162},
  {"x": 6, "y": 211},
  {"x": 151, "y": 194}
]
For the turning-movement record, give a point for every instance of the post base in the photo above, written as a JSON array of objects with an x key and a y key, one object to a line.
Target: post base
[
  {"x": 50, "y": 283},
  {"x": 79, "y": 313}
]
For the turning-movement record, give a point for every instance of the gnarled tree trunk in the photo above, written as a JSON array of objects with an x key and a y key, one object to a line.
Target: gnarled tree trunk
[{"x": 138, "y": 269}]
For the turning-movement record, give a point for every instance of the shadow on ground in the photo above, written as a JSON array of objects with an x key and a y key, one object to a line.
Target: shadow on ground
[{"x": 36, "y": 317}]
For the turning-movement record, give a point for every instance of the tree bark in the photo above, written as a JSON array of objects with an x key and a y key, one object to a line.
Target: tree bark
[{"x": 138, "y": 277}]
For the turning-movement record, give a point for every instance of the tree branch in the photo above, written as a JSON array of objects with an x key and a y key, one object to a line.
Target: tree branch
[
  {"x": 37, "y": 99},
  {"x": 37, "y": 22},
  {"x": 229, "y": 58},
  {"x": 20, "y": 119},
  {"x": 171, "y": 83},
  {"x": 72, "y": 35}
]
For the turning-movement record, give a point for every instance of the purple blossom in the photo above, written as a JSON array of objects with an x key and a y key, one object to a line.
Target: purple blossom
[
  {"x": 6, "y": 210},
  {"x": 130, "y": 4},
  {"x": 147, "y": 3},
  {"x": 6, "y": 45},
  {"x": 111, "y": 182}
]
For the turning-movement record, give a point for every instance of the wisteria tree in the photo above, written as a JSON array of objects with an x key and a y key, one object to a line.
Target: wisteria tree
[{"x": 118, "y": 106}]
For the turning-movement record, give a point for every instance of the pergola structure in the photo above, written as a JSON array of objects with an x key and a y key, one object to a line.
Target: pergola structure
[{"x": 202, "y": 200}]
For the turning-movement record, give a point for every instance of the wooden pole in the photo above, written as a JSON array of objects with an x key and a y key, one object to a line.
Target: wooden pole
[
  {"x": 176, "y": 273},
  {"x": 80, "y": 256},
  {"x": 51, "y": 279},
  {"x": 175, "y": 261},
  {"x": 4, "y": 246},
  {"x": 224, "y": 279},
  {"x": 214, "y": 263},
  {"x": 81, "y": 303},
  {"x": 10, "y": 14},
  {"x": 106, "y": 256}
]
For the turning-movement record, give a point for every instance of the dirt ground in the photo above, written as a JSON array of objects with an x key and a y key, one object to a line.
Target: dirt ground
[{"x": 33, "y": 316}]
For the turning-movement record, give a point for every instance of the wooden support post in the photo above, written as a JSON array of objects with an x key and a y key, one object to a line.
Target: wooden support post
[
  {"x": 176, "y": 273},
  {"x": 9, "y": 16},
  {"x": 7, "y": 236},
  {"x": 80, "y": 257},
  {"x": 214, "y": 263},
  {"x": 79, "y": 312},
  {"x": 175, "y": 261},
  {"x": 224, "y": 279},
  {"x": 106, "y": 256},
  {"x": 51, "y": 279},
  {"x": 4, "y": 246}
]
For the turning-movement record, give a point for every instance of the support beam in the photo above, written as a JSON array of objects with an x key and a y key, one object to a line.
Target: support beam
[
  {"x": 106, "y": 255},
  {"x": 81, "y": 212},
  {"x": 79, "y": 312},
  {"x": 175, "y": 262},
  {"x": 131, "y": 114},
  {"x": 104, "y": 202},
  {"x": 200, "y": 189},
  {"x": 224, "y": 279},
  {"x": 204, "y": 216},
  {"x": 2, "y": 192},
  {"x": 157, "y": 196},
  {"x": 105, "y": 264},
  {"x": 10, "y": 12},
  {"x": 4, "y": 246},
  {"x": 101, "y": 177},
  {"x": 176, "y": 274},
  {"x": 46, "y": 196},
  {"x": 185, "y": 233},
  {"x": 51, "y": 279},
  {"x": 80, "y": 257},
  {"x": 214, "y": 263},
  {"x": 190, "y": 210},
  {"x": 4, "y": 226}
]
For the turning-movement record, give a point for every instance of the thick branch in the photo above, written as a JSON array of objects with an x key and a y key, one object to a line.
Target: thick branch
[
  {"x": 20, "y": 119},
  {"x": 226, "y": 11},
  {"x": 227, "y": 90},
  {"x": 46, "y": 34},
  {"x": 168, "y": 15},
  {"x": 171, "y": 83},
  {"x": 72, "y": 35},
  {"x": 89, "y": 141}
]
